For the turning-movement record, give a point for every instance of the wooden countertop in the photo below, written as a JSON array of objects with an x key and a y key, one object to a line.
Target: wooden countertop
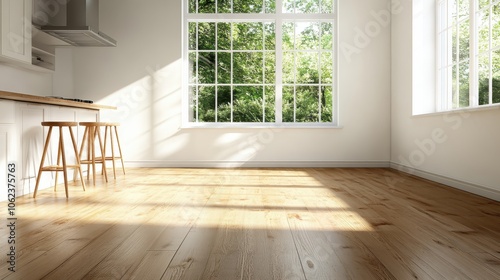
[{"x": 51, "y": 101}]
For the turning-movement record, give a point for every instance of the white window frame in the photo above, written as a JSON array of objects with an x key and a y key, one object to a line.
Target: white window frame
[
  {"x": 278, "y": 18},
  {"x": 444, "y": 97}
]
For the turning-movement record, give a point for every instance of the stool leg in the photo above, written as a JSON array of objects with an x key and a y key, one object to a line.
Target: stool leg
[
  {"x": 119, "y": 149},
  {"x": 65, "y": 174},
  {"x": 112, "y": 151},
  {"x": 92, "y": 144},
  {"x": 58, "y": 164},
  {"x": 80, "y": 154},
  {"x": 46, "y": 146},
  {"x": 89, "y": 152},
  {"x": 77, "y": 157},
  {"x": 107, "y": 131},
  {"x": 102, "y": 154},
  {"x": 105, "y": 145}
]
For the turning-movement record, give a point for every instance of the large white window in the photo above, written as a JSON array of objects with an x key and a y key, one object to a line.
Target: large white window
[
  {"x": 260, "y": 62},
  {"x": 468, "y": 52}
]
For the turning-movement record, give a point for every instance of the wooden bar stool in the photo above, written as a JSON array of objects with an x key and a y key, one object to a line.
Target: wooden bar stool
[
  {"x": 111, "y": 129},
  {"x": 61, "y": 155},
  {"x": 92, "y": 130}
]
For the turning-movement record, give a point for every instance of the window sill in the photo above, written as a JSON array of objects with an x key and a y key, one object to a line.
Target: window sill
[
  {"x": 461, "y": 110},
  {"x": 260, "y": 125}
]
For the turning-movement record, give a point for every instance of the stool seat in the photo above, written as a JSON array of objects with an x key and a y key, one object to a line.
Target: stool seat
[
  {"x": 61, "y": 154},
  {"x": 91, "y": 123},
  {"x": 59, "y": 123},
  {"x": 99, "y": 123}
]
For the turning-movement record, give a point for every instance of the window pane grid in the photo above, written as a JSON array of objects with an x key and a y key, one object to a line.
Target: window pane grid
[
  {"x": 216, "y": 44},
  {"x": 468, "y": 40},
  {"x": 215, "y": 63},
  {"x": 303, "y": 68},
  {"x": 489, "y": 36},
  {"x": 308, "y": 7},
  {"x": 230, "y": 6},
  {"x": 446, "y": 28}
]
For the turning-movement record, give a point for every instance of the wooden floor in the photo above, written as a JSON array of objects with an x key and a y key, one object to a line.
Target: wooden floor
[{"x": 256, "y": 224}]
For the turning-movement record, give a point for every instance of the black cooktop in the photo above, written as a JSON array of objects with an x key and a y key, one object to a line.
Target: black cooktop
[{"x": 73, "y": 99}]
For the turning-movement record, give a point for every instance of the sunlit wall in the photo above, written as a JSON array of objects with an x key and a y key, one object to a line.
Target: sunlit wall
[
  {"x": 142, "y": 77},
  {"x": 457, "y": 148}
]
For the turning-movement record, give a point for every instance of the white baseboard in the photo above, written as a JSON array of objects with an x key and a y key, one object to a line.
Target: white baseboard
[
  {"x": 256, "y": 164},
  {"x": 462, "y": 185}
]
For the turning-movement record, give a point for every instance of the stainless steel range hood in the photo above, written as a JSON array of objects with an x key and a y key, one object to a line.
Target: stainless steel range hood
[{"x": 82, "y": 26}]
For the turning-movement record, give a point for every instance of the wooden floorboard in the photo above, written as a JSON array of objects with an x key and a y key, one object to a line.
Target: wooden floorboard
[{"x": 316, "y": 223}]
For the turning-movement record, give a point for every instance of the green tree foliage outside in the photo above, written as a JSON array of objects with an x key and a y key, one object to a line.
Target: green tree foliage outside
[
  {"x": 487, "y": 43},
  {"x": 233, "y": 65}
]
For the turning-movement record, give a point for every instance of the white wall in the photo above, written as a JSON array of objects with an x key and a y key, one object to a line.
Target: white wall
[
  {"x": 142, "y": 76},
  {"x": 57, "y": 83},
  {"x": 17, "y": 79},
  {"x": 63, "y": 83},
  {"x": 460, "y": 149}
]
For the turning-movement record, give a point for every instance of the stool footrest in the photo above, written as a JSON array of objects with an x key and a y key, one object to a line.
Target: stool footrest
[
  {"x": 108, "y": 158},
  {"x": 87, "y": 161},
  {"x": 58, "y": 167}
]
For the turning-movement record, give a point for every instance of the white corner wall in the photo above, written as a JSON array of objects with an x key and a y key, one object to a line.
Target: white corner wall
[
  {"x": 57, "y": 83},
  {"x": 460, "y": 149},
  {"x": 142, "y": 76},
  {"x": 20, "y": 80}
]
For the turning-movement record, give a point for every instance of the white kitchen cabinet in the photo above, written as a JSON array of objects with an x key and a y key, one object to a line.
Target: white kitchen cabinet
[
  {"x": 22, "y": 140},
  {"x": 30, "y": 139},
  {"x": 87, "y": 116},
  {"x": 6, "y": 155},
  {"x": 44, "y": 58},
  {"x": 15, "y": 30},
  {"x": 22, "y": 136},
  {"x": 7, "y": 112},
  {"x": 7, "y": 144}
]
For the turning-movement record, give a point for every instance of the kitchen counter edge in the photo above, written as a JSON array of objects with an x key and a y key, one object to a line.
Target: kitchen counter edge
[{"x": 51, "y": 101}]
